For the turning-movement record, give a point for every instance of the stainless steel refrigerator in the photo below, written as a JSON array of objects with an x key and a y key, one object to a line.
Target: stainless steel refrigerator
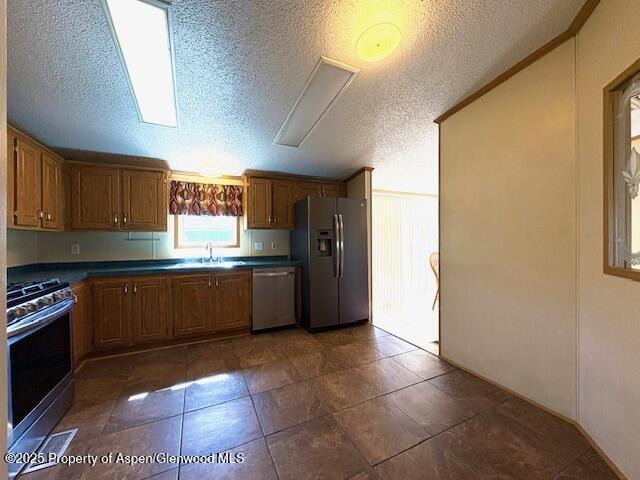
[{"x": 330, "y": 240}]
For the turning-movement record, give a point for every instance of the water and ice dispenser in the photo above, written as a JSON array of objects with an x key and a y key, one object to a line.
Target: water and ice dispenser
[{"x": 324, "y": 241}]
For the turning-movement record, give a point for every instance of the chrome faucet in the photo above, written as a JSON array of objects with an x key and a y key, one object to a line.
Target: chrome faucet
[{"x": 210, "y": 258}]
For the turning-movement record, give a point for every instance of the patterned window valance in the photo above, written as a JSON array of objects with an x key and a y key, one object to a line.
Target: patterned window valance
[{"x": 189, "y": 198}]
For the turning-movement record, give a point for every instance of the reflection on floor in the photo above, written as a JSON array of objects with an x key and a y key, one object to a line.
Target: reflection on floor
[
  {"x": 417, "y": 324},
  {"x": 351, "y": 403}
]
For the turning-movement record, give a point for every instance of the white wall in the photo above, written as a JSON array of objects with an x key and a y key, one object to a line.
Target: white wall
[
  {"x": 609, "y": 326},
  {"x": 22, "y": 247},
  {"x": 508, "y": 233}
]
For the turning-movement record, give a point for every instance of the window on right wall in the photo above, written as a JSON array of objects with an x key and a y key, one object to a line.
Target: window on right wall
[{"x": 622, "y": 174}]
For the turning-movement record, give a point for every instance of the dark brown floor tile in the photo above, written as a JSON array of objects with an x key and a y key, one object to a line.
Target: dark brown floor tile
[
  {"x": 334, "y": 338},
  {"x": 137, "y": 409},
  {"x": 99, "y": 388},
  {"x": 220, "y": 427},
  {"x": 210, "y": 350},
  {"x": 108, "y": 367},
  {"x": 379, "y": 429},
  {"x": 430, "y": 407},
  {"x": 314, "y": 450},
  {"x": 319, "y": 363},
  {"x": 358, "y": 353},
  {"x": 161, "y": 436},
  {"x": 214, "y": 388},
  {"x": 89, "y": 418},
  {"x": 366, "y": 332},
  {"x": 429, "y": 460},
  {"x": 270, "y": 375},
  {"x": 299, "y": 344},
  {"x": 589, "y": 466},
  {"x": 205, "y": 359},
  {"x": 471, "y": 391},
  {"x": 390, "y": 345},
  {"x": 343, "y": 389},
  {"x": 386, "y": 375},
  {"x": 561, "y": 440},
  {"x": 168, "y": 475},
  {"x": 158, "y": 370},
  {"x": 259, "y": 353},
  {"x": 257, "y": 465},
  {"x": 368, "y": 474},
  {"x": 423, "y": 364},
  {"x": 288, "y": 406}
]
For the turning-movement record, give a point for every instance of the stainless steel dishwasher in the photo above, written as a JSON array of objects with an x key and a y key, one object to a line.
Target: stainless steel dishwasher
[{"x": 274, "y": 297}]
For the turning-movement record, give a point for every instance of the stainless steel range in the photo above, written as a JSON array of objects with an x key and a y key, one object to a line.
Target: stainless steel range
[{"x": 40, "y": 362}]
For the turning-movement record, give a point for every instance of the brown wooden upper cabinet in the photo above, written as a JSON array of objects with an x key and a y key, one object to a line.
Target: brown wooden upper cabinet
[
  {"x": 270, "y": 201},
  {"x": 34, "y": 185},
  {"x": 111, "y": 198},
  {"x": 144, "y": 200}
]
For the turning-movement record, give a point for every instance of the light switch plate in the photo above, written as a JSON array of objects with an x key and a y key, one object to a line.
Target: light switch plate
[
  {"x": 259, "y": 246},
  {"x": 75, "y": 249}
]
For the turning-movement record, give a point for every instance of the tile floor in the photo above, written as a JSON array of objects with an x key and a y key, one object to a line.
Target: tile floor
[{"x": 353, "y": 403}]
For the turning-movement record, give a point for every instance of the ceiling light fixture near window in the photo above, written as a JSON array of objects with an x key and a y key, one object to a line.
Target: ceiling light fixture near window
[
  {"x": 327, "y": 82},
  {"x": 378, "y": 42},
  {"x": 142, "y": 33}
]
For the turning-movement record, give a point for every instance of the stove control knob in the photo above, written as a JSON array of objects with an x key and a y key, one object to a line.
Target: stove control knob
[
  {"x": 19, "y": 311},
  {"x": 32, "y": 307}
]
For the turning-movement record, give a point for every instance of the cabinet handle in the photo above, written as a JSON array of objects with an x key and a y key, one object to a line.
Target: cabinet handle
[
  {"x": 217, "y": 283},
  {"x": 126, "y": 288},
  {"x": 124, "y": 219},
  {"x": 115, "y": 220},
  {"x": 135, "y": 287},
  {"x": 275, "y": 220},
  {"x": 75, "y": 298},
  {"x": 48, "y": 216},
  {"x": 40, "y": 214},
  {"x": 269, "y": 218},
  {"x": 209, "y": 282}
]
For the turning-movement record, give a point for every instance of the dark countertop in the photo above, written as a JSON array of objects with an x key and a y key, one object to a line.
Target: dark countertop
[{"x": 76, "y": 272}]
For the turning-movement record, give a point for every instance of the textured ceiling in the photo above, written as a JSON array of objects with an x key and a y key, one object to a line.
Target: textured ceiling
[{"x": 241, "y": 64}]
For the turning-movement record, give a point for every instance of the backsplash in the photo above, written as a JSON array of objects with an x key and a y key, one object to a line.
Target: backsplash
[{"x": 48, "y": 247}]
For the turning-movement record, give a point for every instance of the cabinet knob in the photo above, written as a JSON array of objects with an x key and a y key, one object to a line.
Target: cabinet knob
[
  {"x": 48, "y": 216},
  {"x": 209, "y": 282},
  {"x": 126, "y": 288},
  {"x": 275, "y": 220},
  {"x": 115, "y": 220},
  {"x": 124, "y": 219},
  {"x": 135, "y": 287},
  {"x": 217, "y": 283}
]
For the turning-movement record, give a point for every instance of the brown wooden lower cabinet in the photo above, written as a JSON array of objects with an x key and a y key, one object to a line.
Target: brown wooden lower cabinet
[
  {"x": 150, "y": 312},
  {"x": 111, "y": 313},
  {"x": 192, "y": 304},
  {"x": 232, "y": 300},
  {"x": 146, "y": 310},
  {"x": 81, "y": 322}
]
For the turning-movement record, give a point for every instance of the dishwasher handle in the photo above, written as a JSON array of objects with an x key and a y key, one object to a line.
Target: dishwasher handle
[{"x": 273, "y": 274}]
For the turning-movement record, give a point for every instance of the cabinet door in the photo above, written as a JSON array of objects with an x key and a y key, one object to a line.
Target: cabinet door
[
  {"x": 232, "y": 300},
  {"x": 192, "y": 304},
  {"x": 11, "y": 178},
  {"x": 334, "y": 190},
  {"x": 144, "y": 200},
  {"x": 149, "y": 309},
  {"x": 259, "y": 203},
  {"x": 81, "y": 321},
  {"x": 51, "y": 192},
  {"x": 95, "y": 198},
  {"x": 283, "y": 200},
  {"x": 28, "y": 183},
  {"x": 308, "y": 189},
  {"x": 112, "y": 313}
]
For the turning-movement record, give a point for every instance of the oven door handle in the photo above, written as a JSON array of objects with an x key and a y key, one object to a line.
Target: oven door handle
[{"x": 40, "y": 320}]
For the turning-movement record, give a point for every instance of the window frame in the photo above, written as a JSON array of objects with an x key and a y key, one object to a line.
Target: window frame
[
  {"x": 611, "y": 97},
  {"x": 178, "y": 245}
]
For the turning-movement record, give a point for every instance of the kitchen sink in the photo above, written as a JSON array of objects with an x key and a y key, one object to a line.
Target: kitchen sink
[{"x": 195, "y": 265}]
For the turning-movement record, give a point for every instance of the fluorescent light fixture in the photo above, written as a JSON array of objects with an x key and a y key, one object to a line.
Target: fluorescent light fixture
[
  {"x": 327, "y": 82},
  {"x": 142, "y": 33}
]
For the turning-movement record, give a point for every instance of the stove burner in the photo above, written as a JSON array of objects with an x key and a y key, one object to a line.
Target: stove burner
[{"x": 26, "y": 298}]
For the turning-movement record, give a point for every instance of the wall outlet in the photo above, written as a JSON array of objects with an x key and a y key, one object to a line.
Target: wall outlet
[
  {"x": 75, "y": 249},
  {"x": 259, "y": 246},
  {"x": 274, "y": 245}
]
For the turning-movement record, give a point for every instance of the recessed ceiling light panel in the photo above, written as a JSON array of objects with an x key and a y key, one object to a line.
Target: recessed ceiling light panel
[
  {"x": 142, "y": 33},
  {"x": 327, "y": 82}
]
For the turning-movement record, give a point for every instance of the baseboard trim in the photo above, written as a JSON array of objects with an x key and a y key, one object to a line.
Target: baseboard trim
[{"x": 582, "y": 431}]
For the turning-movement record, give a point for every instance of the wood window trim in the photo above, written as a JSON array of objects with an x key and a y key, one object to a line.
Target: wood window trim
[
  {"x": 178, "y": 246},
  {"x": 609, "y": 103}
]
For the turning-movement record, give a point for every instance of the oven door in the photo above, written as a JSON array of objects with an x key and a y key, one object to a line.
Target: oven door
[{"x": 40, "y": 367}]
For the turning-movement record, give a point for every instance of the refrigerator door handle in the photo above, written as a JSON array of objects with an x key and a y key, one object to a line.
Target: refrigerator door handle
[
  {"x": 336, "y": 252},
  {"x": 341, "y": 223}
]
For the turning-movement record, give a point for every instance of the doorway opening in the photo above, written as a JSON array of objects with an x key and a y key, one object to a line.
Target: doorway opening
[{"x": 405, "y": 286}]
